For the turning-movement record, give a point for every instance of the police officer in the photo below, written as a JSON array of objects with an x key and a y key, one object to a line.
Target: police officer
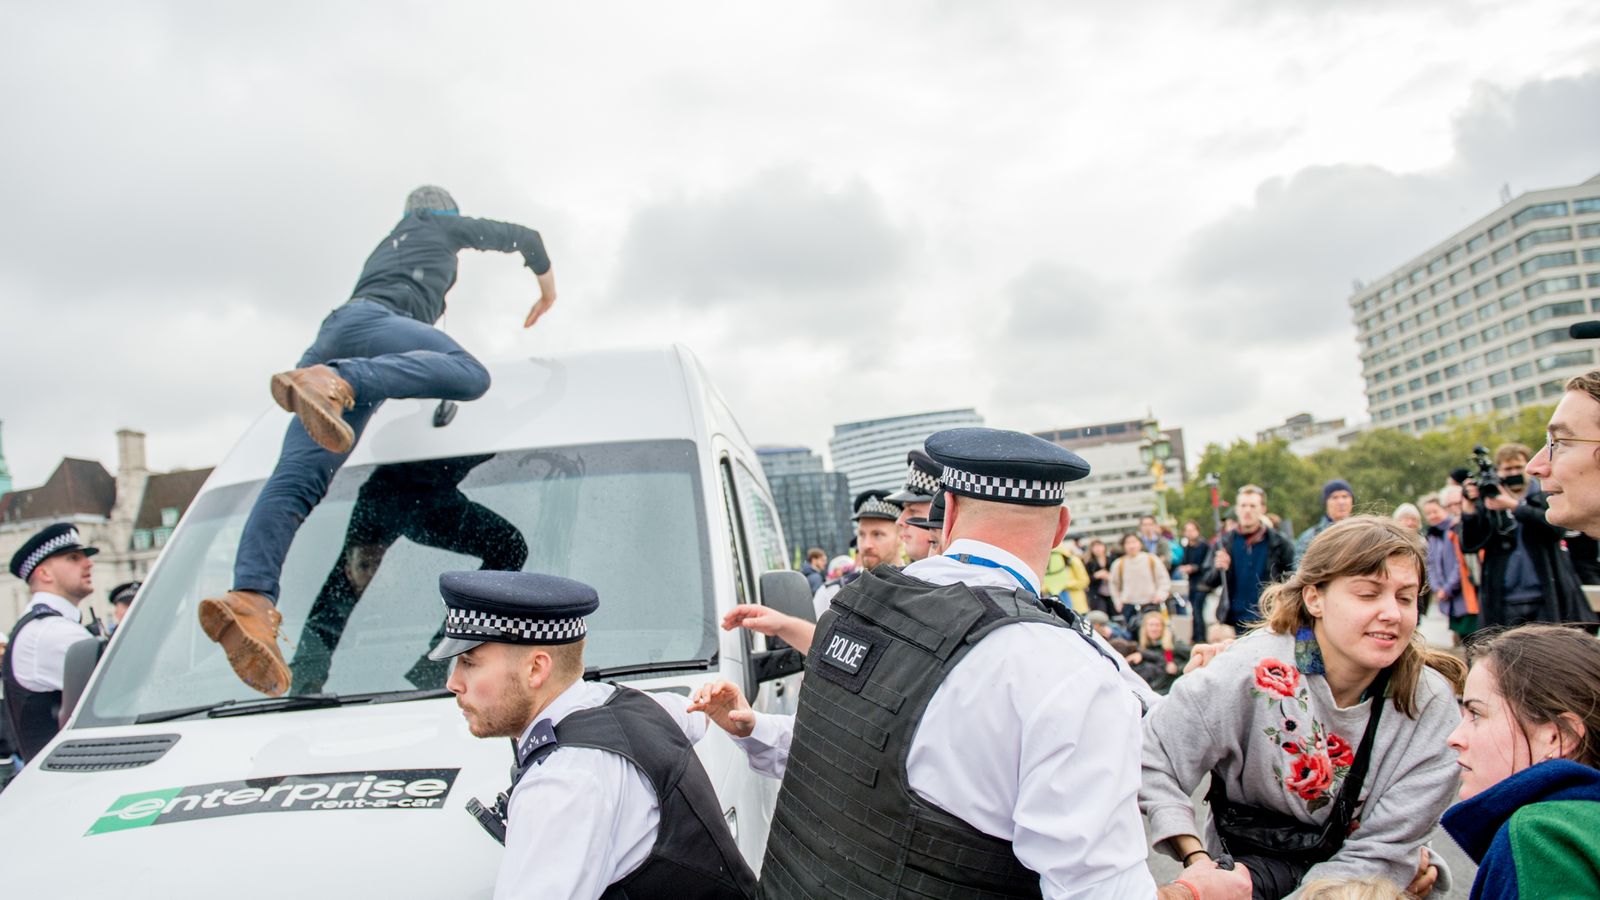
[
  {"x": 931, "y": 523},
  {"x": 946, "y": 706},
  {"x": 915, "y": 497},
  {"x": 58, "y": 569},
  {"x": 608, "y": 799},
  {"x": 877, "y": 542}
]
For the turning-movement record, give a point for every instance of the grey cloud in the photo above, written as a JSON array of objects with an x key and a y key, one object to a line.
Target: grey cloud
[
  {"x": 1280, "y": 268},
  {"x": 782, "y": 235},
  {"x": 1058, "y": 303}
]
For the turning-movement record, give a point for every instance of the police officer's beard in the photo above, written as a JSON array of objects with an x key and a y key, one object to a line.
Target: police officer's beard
[{"x": 508, "y": 717}]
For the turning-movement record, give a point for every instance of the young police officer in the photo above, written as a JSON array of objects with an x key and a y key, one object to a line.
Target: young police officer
[
  {"x": 608, "y": 799},
  {"x": 955, "y": 737},
  {"x": 57, "y": 568},
  {"x": 915, "y": 497}
]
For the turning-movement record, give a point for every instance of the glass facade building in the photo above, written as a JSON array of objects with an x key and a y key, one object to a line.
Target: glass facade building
[
  {"x": 1478, "y": 323},
  {"x": 813, "y": 504}
]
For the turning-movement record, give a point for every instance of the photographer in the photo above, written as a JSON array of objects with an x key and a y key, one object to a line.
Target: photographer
[{"x": 1527, "y": 576}]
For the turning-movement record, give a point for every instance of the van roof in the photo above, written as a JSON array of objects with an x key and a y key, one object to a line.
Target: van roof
[{"x": 548, "y": 401}]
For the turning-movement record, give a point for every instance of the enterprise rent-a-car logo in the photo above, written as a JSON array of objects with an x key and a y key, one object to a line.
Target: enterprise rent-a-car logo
[{"x": 392, "y": 789}]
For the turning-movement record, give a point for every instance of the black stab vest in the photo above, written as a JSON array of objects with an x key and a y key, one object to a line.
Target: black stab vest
[
  {"x": 847, "y": 824},
  {"x": 694, "y": 857},
  {"x": 34, "y": 715}
]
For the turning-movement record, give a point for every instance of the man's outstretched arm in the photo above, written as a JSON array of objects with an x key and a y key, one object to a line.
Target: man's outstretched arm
[{"x": 507, "y": 237}]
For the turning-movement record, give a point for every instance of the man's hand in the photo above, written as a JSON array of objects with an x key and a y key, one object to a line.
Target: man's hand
[
  {"x": 1223, "y": 560},
  {"x": 1422, "y": 883},
  {"x": 724, "y": 704},
  {"x": 547, "y": 298},
  {"x": 795, "y": 632},
  {"x": 1503, "y": 502},
  {"x": 1202, "y": 654},
  {"x": 1212, "y": 883}
]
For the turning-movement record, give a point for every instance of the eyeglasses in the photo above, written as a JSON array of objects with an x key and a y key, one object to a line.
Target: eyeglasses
[{"x": 1555, "y": 443}]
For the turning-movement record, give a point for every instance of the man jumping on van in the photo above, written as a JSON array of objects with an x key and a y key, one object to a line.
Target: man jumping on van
[{"x": 379, "y": 345}]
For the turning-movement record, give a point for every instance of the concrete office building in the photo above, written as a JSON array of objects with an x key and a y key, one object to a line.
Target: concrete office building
[
  {"x": 813, "y": 504},
  {"x": 1478, "y": 323},
  {"x": 1120, "y": 488},
  {"x": 873, "y": 453}
]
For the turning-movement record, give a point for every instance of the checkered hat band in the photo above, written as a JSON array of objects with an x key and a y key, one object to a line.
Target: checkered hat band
[
  {"x": 877, "y": 508},
  {"x": 472, "y": 624},
  {"x": 54, "y": 545},
  {"x": 1002, "y": 488},
  {"x": 920, "y": 482}
]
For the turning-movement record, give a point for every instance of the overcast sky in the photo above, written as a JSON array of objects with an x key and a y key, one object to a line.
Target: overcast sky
[{"x": 847, "y": 210}]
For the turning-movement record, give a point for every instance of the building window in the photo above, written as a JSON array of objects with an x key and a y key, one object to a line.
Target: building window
[
  {"x": 1553, "y": 336},
  {"x": 1552, "y": 389},
  {"x": 1592, "y": 255},
  {"x": 1432, "y": 356},
  {"x": 161, "y": 535},
  {"x": 1478, "y": 265},
  {"x": 1543, "y": 236},
  {"x": 1510, "y": 301},
  {"x": 1551, "y": 310},
  {"x": 1539, "y": 288},
  {"x": 169, "y": 517},
  {"x": 1550, "y": 260},
  {"x": 1594, "y": 278},
  {"x": 1433, "y": 377},
  {"x": 1476, "y": 243},
  {"x": 1436, "y": 398},
  {"x": 141, "y": 539},
  {"x": 1502, "y": 254},
  {"x": 1468, "y": 342},
  {"x": 1502, "y": 402},
  {"x": 1454, "y": 256},
  {"x": 1526, "y": 395},
  {"x": 1569, "y": 358},
  {"x": 1482, "y": 288},
  {"x": 1499, "y": 378},
  {"x": 1517, "y": 348},
  {"x": 1534, "y": 213},
  {"x": 1500, "y": 230},
  {"x": 1586, "y": 205},
  {"x": 1457, "y": 392},
  {"x": 1594, "y": 304},
  {"x": 1417, "y": 405},
  {"x": 1477, "y": 386},
  {"x": 1522, "y": 371},
  {"x": 1509, "y": 276},
  {"x": 1589, "y": 230},
  {"x": 1495, "y": 355},
  {"x": 1439, "y": 419}
]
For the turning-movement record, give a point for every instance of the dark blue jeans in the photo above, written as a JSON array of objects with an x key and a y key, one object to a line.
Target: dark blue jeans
[{"x": 383, "y": 355}]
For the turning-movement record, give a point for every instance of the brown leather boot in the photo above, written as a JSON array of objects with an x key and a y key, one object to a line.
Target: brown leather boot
[
  {"x": 319, "y": 397},
  {"x": 245, "y": 623}
]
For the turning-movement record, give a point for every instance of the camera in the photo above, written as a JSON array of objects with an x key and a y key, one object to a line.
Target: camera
[{"x": 1487, "y": 478}]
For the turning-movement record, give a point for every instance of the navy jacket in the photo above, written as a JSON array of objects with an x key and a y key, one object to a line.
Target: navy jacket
[{"x": 416, "y": 264}]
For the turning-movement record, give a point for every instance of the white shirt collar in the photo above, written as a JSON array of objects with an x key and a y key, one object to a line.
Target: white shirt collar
[
  {"x": 992, "y": 553},
  {"x": 60, "y": 604}
]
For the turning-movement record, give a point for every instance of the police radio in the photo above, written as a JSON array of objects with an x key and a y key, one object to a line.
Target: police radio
[{"x": 493, "y": 820}]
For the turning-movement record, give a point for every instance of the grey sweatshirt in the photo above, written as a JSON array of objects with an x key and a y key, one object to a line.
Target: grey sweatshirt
[{"x": 1280, "y": 742}]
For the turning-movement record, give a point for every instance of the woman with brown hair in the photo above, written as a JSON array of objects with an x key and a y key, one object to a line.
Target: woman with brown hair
[
  {"x": 1529, "y": 746},
  {"x": 1323, "y": 730}
]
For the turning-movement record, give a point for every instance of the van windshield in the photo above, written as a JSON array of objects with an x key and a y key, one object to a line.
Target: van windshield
[{"x": 360, "y": 588}]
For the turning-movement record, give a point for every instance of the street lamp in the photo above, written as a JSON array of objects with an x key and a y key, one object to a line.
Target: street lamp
[{"x": 1154, "y": 451}]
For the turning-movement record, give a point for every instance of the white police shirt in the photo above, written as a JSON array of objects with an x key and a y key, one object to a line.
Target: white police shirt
[
  {"x": 39, "y": 654},
  {"x": 584, "y": 818},
  {"x": 1032, "y": 738}
]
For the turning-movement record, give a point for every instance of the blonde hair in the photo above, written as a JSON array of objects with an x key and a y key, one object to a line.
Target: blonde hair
[
  {"x": 1362, "y": 545},
  {"x": 1144, "y": 636},
  {"x": 1352, "y": 889}
]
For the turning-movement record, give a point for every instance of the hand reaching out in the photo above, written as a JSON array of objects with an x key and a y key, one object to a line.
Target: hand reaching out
[{"x": 724, "y": 704}]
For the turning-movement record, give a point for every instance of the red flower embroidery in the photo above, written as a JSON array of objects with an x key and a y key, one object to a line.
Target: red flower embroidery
[
  {"x": 1310, "y": 774},
  {"x": 1339, "y": 752},
  {"x": 1291, "y": 747},
  {"x": 1279, "y": 679}
]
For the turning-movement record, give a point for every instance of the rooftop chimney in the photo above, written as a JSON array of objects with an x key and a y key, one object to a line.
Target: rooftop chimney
[{"x": 130, "y": 451}]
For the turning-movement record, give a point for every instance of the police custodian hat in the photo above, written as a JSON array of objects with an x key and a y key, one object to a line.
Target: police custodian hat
[
  {"x": 875, "y": 505},
  {"x": 922, "y": 479},
  {"x": 53, "y": 539},
  {"x": 124, "y": 593},
  {"x": 511, "y": 608},
  {"x": 1005, "y": 466}
]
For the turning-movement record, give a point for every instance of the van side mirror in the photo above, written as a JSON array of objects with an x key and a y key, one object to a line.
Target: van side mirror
[
  {"x": 82, "y": 657},
  {"x": 788, "y": 592}
]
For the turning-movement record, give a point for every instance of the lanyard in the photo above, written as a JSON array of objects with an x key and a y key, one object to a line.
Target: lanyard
[{"x": 971, "y": 560}]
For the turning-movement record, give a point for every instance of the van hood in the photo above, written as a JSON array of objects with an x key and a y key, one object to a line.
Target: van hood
[{"x": 309, "y": 804}]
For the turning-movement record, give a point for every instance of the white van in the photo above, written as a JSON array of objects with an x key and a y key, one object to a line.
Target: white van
[{"x": 625, "y": 470}]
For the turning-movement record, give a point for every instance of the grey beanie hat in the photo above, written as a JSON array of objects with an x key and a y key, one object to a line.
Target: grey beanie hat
[{"x": 430, "y": 197}]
